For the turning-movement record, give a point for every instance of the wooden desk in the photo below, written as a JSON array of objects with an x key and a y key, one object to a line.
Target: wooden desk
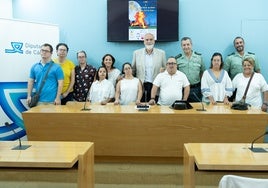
[
  {"x": 221, "y": 157},
  {"x": 122, "y": 131},
  {"x": 50, "y": 157}
]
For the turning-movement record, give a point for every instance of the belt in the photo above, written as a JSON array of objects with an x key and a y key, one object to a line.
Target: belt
[
  {"x": 195, "y": 85},
  {"x": 147, "y": 83}
]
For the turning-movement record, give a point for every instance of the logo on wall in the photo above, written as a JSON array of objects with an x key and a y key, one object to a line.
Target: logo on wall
[{"x": 17, "y": 48}]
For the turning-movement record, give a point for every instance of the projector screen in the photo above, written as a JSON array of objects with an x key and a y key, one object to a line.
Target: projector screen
[{"x": 131, "y": 20}]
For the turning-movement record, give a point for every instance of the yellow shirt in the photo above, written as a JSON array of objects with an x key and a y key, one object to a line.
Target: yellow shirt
[{"x": 67, "y": 68}]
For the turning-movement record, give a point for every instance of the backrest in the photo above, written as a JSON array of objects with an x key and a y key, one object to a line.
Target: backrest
[{"x": 232, "y": 181}]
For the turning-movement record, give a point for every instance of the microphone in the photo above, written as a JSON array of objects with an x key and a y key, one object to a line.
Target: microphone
[
  {"x": 258, "y": 150},
  {"x": 202, "y": 109},
  {"x": 20, "y": 146}
]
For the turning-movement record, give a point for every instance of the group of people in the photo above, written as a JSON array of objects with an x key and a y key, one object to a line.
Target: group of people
[{"x": 150, "y": 78}]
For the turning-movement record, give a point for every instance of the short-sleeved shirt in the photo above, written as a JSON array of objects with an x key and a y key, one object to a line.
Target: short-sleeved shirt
[
  {"x": 50, "y": 88},
  {"x": 67, "y": 68},
  {"x": 170, "y": 86},
  {"x": 113, "y": 75},
  {"x": 256, "y": 87},
  {"x": 233, "y": 63},
  {"x": 101, "y": 90},
  {"x": 83, "y": 80},
  {"x": 192, "y": 67}
]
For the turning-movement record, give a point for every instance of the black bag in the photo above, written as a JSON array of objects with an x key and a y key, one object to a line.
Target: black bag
[
  {"x": 34, "y": 100},
  {"x": 240, "y": 105},
  {"x": 181, "y": 105}
]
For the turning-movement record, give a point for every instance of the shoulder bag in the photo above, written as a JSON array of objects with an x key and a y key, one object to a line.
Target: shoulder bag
[
  {"x": 242, "y": 105},
  {"x": 36, "y": 96}
]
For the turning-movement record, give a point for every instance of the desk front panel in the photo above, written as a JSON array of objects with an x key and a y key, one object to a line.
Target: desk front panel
[{"x": 159, "y": 132}]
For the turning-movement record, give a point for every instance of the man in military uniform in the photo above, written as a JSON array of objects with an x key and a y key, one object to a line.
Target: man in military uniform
[
  {"x": 192, "y": 65},
  {"x": 233, "y": 62}
]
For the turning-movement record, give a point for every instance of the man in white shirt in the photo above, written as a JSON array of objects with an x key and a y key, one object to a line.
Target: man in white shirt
[{"x": 173, "y": 85}]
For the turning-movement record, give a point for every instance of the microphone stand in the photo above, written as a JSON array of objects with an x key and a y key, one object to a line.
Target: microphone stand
[
  {"x": 20, "y": 146},
  {"x": 258, "y": 150},
  {"x": 203, "y": 108},
  {"x": 84, "y": 108}
]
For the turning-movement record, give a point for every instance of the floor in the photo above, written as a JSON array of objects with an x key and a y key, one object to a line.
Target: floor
[{"x": 125, "y": 175}]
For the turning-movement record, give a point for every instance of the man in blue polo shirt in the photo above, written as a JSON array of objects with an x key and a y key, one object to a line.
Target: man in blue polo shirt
[{"x": 51, "y": 90}]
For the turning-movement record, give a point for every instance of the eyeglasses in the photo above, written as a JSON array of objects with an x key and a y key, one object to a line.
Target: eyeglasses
[
  {"x": 171, "y": 63},
  {"x": 44, "y": 51},
  {"x": 81, "y": 56}
]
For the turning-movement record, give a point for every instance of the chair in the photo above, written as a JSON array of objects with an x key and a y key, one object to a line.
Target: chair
[{"x": 232, "y": 181}]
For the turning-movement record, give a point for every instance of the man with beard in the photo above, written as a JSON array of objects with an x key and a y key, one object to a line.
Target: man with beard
[
  {"x": 147, "y": 63},
  {"x": 233, "y": 62}
]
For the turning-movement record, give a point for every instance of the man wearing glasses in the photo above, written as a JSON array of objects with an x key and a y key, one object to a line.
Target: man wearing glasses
[
  {"x": 173, "y": 85},
  {"x": 51, "y": 90}
]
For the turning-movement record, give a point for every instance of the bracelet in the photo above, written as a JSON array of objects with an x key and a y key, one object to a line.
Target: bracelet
[{"x": 265, "y": 103}]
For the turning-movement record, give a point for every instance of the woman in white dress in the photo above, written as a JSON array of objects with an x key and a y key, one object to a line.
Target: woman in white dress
[
  {"x": 128, "y": 89},
  {"x": 102, "y": 90},
  {"x": 113, "y": 73},
  {"x": 216, "y": 85}
]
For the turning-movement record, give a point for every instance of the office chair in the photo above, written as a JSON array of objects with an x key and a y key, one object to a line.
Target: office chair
[{"x": 232, "y": 181}]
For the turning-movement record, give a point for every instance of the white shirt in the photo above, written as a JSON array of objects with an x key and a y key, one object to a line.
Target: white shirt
[
  {"x": 256, "y": 87},
  {"x": 170, "y": 86},
  {"x": 129, "y": 91},
  {"x": 113, "y": 75},
  {"x": 148, "y": 68},
  {"x": 100, "y": 91}
]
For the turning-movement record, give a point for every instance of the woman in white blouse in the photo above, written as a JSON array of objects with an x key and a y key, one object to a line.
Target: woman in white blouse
[
  {"x": 216, "y": 85},
  {"x": 113, "y": 73},
  {"x": 102, "y": 90},
  {"x": 128, "y": 89}
]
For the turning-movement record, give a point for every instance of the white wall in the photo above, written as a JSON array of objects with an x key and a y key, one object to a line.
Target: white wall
[
  {"x": 212, "y": 24},
  {"x": 6, "y": 9}
]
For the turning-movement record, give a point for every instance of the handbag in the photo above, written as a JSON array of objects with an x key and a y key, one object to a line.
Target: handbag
[
  {"x": 34, "y": 100},
  {"x": 36, "y": 96},
  {"x": 181, "y": 105},
  {"x": 242, "y": 105}
]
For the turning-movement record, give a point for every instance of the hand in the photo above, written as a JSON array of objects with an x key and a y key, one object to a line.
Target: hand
[
  {"x": 152, "y": 102},
  {"x": 57, "y": 101},
  {"x": 226, "y": 101},
  {"x": 104, "y": 102},
  {"x": 116, "y": 102},
  {"x": 28, "y": 100},
  {"x": 213, "y": 102},
  {"x": 264, "y": 107},
  {"x": 138, "y": 102}
]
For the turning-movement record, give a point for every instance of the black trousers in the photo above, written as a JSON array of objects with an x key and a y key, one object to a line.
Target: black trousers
[
  {"x": 146, "y": 96},
  {"x": 69, "y": 97}
]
